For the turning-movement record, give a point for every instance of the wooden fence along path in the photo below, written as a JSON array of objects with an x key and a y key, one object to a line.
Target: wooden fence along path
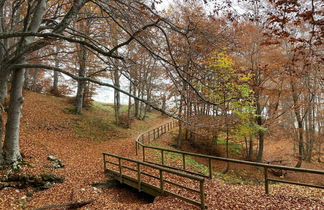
[{"x": 157, "y": 178}]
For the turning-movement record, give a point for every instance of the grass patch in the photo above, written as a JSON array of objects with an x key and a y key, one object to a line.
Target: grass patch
[
  {"x": 234, "y": 148},
  {"x": 93, "y": 128},
  {"x": 95, "y": 105},
  {"x": 96, "y": 123},
  {"x": 176, "y": 159}
]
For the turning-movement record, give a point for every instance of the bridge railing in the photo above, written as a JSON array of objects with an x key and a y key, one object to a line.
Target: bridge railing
[
  {"x": 153, "y": 134},
  {"x": 165, "y": 177},
  {"x": 141, "y": 139}
]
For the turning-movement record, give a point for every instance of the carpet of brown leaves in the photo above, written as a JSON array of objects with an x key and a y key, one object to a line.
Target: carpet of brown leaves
[{"x": 48, "y": 130}]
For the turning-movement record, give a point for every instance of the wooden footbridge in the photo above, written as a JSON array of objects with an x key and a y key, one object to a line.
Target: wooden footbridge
[{"x": 158, "y": 179}]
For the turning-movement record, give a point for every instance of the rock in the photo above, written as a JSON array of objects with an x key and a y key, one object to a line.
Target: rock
[
  {"x": 52, "y": 178},
  {"x": 46, "y": 186},
  {"x": 48, "y": 166},
  {"x": 56, "y": 162},
  {"x": 30, "y": 193},
  {"x": 51, "y": 158}
]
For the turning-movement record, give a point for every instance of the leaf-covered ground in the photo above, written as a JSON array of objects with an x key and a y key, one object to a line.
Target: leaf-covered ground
[{"x": 49, "y": 129}]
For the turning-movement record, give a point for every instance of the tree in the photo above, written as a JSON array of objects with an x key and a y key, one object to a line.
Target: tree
[{"x": 32, "y": 26}]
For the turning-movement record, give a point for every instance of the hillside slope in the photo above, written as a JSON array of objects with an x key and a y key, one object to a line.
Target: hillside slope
[{"x": 49, "y": 129}]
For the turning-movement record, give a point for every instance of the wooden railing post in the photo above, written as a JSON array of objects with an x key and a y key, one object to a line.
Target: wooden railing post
[
  {"x": 210, "y": 167},
  {"x": 143, "y": 153},
  {"x": 266, "y": 181},
  {"x": 120, "y": 170},
  {"x": 139, "y": 177},
  {"x": 104, "y": 162},
  {"x": 202, "y": 194},
  {"x": 184, "y": 161},
  {"x": 161, "y": 181},
  {"x": 162, "y": 157},
  {"x": 136, "y": 147},
  {"x": 154, "y": 134}
]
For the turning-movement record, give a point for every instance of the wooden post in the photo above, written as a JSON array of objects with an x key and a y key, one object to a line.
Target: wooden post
[
  {"x": 161, "y": 181},
  {"x": 184, "y": 161},
  {"x": 104, "y": 161},
  {"x": 136, "y": 147},
  {"x": 120, "y": 170},
  {"x": 266, "y": 181},
  {"x": 202, "y": 194},
  {"x": 153, "y": 134},
  {"x": 210, "y": 166},
  {"x": 139, "y": 177},
  {"x": 162, "y": 157},
  {"x": 143, "y": 153}
]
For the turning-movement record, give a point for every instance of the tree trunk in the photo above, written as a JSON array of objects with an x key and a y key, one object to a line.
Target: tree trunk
[
  {"x": 117, "y": 95},
  {"x": 180, "y": 136},
  {"x": 81, "y": 83},
  {"x": 260, "y": 132},
  {"x": 26, "y": 80},
  {"x": 300, "y": 127},
  {"x": 55, "y": 78},
  {"x": 11, "y": 151},
  {"x": 129, "y": 104},
  {"x": 136, "y": 102},
  {"x": 250, "y": 153},
  {"x": 34, "y": 84},
  {"x": 4, "y": 75}
]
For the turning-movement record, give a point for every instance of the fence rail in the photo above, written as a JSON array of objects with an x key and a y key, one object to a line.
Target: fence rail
[
  {"x": 140, "y": 141},
  {"x": 163, "y": 172}
]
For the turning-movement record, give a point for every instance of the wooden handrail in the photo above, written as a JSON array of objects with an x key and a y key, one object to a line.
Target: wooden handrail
[
  {"x": 266, "y": 166},
  {"x": 163, "y": 172}
]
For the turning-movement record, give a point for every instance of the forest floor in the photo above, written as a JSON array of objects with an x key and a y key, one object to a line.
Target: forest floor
[{"x": 48, "y": 128}]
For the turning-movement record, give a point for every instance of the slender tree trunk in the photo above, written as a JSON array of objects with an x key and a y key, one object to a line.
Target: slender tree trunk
[
  {"x": 34, "y": 84},
  {"x": 129, "y": 104},
  {"x": 81, "y": 83},
  {"x": 11, "y": 149},
  {"x": 4, "y": 76},
  {"x": 260, "y": 132},
  {"x": 26, "y": 81},
  {"x": 299, "y": 124},
  {"x": 55, "y": 77},
  {"x": 117, "y": 95},
  {"x": 180, "y": 136},
  {"x": 250, "y": 154}
]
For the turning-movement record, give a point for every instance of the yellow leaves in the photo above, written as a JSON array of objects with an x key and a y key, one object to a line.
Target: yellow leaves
[{"x": 220, "y": 60}]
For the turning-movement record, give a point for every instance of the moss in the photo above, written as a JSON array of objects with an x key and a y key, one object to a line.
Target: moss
[{"x": 52, "y": 178}]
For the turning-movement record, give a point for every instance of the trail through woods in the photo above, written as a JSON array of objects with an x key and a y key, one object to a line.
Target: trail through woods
[{"x": 47, "y": 130}]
